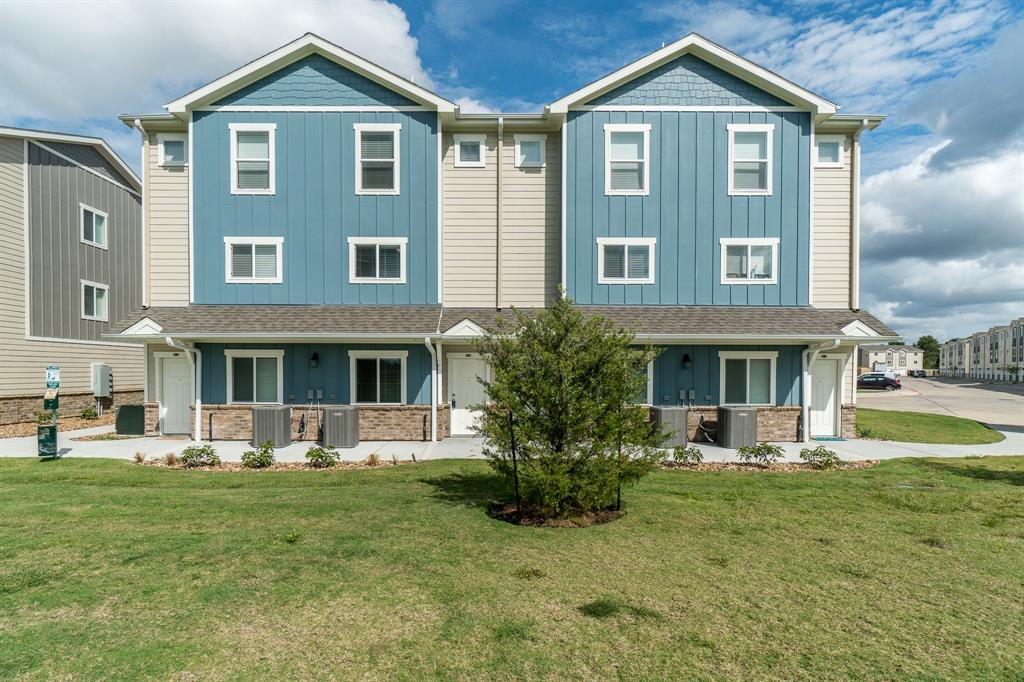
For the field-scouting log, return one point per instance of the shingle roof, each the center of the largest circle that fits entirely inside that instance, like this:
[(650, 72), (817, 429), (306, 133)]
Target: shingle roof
[(429, 320)]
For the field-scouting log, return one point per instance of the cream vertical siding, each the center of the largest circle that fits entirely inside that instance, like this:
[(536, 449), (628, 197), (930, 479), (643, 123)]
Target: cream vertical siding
[(166, 204), (23, 361), (832, 233), (470, 228)]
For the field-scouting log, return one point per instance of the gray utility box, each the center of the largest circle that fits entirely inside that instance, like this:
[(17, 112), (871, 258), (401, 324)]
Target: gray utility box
[(737, 425), (672, 420), (273, 424), (341, 427)]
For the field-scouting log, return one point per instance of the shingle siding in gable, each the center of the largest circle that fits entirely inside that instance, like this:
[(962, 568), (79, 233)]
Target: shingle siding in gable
[(315, 81), (688, 81)]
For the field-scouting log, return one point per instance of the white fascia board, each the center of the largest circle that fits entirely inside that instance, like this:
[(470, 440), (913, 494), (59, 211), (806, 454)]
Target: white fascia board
[(297, 49), (716, 55), (464, 329), (144, 327)]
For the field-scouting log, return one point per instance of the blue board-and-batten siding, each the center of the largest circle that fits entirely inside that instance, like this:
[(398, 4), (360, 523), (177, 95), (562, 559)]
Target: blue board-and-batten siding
[(331, 374), (315, 208), (688, 209), (704, 374)]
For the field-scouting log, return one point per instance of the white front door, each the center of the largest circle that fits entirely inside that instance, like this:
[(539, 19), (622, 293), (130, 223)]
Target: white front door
[(175, 388), (464, 391), (824, 392)]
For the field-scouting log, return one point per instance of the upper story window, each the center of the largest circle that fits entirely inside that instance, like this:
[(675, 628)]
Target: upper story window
[(172, 149), (252, 158), (530, 151), (626, 152), (94, 301), (93, 223), (747, 377), (828, 151), (377, 157), (377, 376), (750, 158), (254, 376), (253, 260), (377, 260), (470, 150), (625, 261), (749, 261)]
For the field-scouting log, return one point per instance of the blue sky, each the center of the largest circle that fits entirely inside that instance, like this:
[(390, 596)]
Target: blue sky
[(943, 218)]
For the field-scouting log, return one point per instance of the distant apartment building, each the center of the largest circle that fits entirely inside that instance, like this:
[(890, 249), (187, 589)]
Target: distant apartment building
[(994, 355), (899, 359)]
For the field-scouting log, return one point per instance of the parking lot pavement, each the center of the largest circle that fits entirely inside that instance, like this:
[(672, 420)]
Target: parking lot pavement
[(997, 405)]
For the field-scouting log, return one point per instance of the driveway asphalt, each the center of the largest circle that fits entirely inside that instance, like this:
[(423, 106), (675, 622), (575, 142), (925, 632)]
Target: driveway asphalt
[(1001, 406)]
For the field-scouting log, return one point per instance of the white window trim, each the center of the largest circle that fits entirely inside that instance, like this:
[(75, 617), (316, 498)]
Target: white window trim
[(353, 242), (649, 242), (841, 140), (171, 137), (768, 128), (520, 138), (82, 208), (81, 300), (396, 129), (481, 139), (231, 353), (610, 128), (276, 241), (354, 355), (235, 128), (751, 241), (724, 355)]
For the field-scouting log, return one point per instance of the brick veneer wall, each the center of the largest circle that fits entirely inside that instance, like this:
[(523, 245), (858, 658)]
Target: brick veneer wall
[(152, 416), (376, 422), (23, 408), (848, 428)]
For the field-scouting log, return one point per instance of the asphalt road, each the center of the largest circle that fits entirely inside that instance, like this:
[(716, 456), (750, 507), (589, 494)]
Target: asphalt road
[(994, 404)]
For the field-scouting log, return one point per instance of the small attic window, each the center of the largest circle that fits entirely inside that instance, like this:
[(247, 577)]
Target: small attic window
[(469, 151)]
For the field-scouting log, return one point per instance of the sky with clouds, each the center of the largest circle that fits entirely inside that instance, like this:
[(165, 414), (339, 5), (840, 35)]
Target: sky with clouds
[(943, 182)]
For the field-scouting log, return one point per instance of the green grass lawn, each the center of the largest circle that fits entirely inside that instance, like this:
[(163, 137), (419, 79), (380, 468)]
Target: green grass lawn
[(918, 427), (913, 569)]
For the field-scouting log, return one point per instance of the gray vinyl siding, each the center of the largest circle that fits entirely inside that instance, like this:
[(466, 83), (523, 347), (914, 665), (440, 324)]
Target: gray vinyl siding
[(59, 260)]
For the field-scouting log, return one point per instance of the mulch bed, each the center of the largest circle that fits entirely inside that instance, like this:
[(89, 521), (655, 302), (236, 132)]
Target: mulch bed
[(235, 467), (507, 513), (67, 423), (777, 467)]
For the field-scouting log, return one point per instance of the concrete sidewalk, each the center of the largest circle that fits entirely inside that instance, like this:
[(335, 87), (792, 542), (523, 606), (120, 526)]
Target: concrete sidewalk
[(471, 448)]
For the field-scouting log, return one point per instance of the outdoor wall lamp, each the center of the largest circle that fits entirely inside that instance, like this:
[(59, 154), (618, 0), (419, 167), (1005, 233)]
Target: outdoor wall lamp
[(687, 362), (314, 360)]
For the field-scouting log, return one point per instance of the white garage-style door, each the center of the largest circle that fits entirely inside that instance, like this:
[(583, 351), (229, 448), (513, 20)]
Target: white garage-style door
[(175, 389), (824, 397), (465, 391)]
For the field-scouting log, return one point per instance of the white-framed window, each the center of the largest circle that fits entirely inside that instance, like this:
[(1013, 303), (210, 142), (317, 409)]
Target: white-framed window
[(828, 151), (377, 377), (252, 157), (253, 260), (377, 260), (750, 260), (93, 226), (747, 377), (255, 376), (470, 150), (750, 158), (171, 149), (530, 151), (627, 148), (377, 157), (625, 260), (95, 301)]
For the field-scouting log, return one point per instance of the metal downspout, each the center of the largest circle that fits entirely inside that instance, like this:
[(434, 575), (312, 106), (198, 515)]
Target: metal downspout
[(195, 361), (433, 388), (145, 198), (497, 227), (855, 219), (807, 357)]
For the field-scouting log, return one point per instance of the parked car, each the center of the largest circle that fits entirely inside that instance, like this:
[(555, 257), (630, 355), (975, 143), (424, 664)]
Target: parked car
[(878, 381), (918, 373)]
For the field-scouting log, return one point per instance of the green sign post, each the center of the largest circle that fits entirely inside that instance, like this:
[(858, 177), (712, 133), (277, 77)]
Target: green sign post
[(46, 434)]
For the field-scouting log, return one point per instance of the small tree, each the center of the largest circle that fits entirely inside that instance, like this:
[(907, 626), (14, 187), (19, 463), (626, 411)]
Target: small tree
[(571, 384), (930, 345)]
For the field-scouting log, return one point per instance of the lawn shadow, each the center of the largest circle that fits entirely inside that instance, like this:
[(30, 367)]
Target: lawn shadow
[(606, 607), (975, 471), (476, 490)]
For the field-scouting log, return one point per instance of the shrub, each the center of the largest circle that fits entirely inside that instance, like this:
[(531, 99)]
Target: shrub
[(820, 457), (199, 456), (322, 457), (139, 458), (689, 455), (372, 460), (260, 458), (866, 432), (564, 385), (170, 459), (761, 454), (89, 413)]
